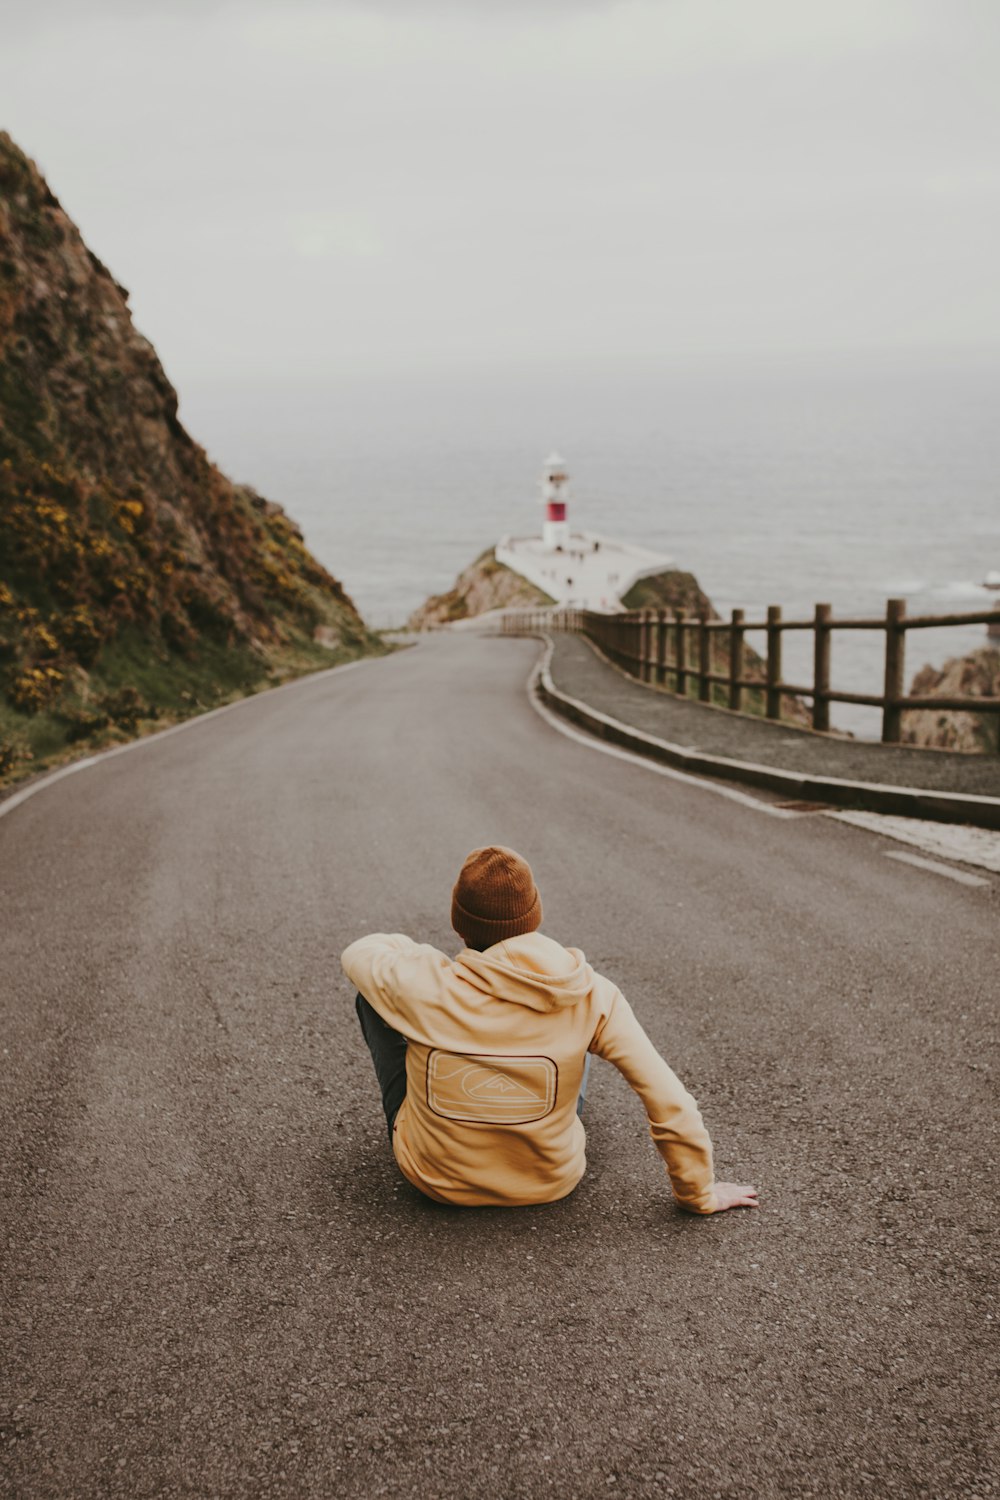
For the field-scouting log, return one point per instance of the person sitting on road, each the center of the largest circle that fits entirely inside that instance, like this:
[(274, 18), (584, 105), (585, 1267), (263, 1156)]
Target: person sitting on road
[(483, 1059)]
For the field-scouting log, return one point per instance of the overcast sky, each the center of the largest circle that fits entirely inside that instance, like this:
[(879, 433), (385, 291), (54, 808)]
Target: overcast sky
[(312, 189)]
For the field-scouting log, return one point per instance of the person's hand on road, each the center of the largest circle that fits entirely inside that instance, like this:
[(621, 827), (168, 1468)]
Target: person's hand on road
[(734, 1195)]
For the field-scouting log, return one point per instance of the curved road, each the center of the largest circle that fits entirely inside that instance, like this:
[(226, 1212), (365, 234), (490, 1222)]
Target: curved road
[(217, 1283)]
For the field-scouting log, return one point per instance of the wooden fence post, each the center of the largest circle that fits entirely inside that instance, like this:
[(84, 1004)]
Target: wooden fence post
[(895, 666), (704, 660), (821, 666), (647, 645), (680, 652), (773, 661), (736, 660), (660, 671)]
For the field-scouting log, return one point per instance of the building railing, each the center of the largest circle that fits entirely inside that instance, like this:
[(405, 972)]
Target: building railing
[(681, 652)]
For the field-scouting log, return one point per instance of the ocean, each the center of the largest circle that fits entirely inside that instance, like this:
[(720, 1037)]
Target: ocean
[(847, 481)]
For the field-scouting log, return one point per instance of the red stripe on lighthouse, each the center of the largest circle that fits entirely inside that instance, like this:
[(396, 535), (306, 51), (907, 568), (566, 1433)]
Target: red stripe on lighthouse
[(556, 510)]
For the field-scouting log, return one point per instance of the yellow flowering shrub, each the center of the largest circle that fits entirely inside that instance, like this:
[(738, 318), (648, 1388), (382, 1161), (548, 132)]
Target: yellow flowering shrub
[(34, 688)]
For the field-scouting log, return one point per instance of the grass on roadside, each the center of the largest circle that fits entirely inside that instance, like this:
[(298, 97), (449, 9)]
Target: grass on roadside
[(135, 689)]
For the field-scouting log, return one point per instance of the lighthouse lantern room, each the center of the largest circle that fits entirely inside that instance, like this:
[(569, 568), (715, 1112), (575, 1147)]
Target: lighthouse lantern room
[(555, 495)]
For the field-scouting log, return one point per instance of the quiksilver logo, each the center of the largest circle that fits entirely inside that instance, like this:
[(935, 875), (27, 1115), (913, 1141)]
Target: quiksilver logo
[(490, 1089)]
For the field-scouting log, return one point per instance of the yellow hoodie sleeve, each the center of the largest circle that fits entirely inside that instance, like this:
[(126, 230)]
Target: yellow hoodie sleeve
[(392, 971), (675, 1122)]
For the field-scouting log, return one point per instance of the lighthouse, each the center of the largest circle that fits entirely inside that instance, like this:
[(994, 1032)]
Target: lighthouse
[(555, 494), (576, 569)]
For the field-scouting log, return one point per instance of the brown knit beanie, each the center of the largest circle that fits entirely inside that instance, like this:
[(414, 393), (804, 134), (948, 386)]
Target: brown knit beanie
[(494, 897)]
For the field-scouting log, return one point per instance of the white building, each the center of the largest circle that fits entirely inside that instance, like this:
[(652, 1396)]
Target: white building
[(582, 569)]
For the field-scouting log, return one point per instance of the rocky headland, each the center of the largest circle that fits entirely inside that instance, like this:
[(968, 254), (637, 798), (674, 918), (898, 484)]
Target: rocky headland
[(487, 584), (483, 586), (137, 583), (672, 590), (975, 675)]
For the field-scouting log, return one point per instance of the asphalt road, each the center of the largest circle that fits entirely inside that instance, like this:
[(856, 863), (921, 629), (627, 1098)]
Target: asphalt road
[(217, 1283)]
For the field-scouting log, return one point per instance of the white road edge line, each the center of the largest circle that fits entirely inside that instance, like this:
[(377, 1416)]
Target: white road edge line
[(936, 869), (730, 793), (16, 798)]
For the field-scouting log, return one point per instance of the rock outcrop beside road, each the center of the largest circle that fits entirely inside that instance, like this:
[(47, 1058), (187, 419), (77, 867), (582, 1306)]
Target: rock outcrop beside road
[(136, 580), (484, 585), (673, 589), (975, 675)]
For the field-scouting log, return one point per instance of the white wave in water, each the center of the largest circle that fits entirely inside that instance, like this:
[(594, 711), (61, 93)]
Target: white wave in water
[(974, 591)]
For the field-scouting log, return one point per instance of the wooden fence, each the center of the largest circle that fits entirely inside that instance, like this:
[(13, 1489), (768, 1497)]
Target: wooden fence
[(682, 653)]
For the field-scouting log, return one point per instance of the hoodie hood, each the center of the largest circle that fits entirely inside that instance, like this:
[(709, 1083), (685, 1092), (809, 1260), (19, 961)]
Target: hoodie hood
[(530, 970)]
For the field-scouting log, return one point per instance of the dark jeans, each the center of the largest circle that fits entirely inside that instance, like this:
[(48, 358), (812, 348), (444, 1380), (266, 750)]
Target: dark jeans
[(388, 1050)]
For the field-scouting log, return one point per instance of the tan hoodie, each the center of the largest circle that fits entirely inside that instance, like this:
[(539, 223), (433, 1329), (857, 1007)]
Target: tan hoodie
[(497, 1045)]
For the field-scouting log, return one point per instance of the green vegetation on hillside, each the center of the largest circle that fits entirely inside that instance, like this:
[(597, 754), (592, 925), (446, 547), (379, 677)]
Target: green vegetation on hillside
[(106, 625), (137, 583)]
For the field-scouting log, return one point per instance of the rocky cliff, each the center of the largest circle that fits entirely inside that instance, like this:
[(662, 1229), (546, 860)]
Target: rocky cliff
[(671, 590), (484, 585), (953, 729), (136, 581)]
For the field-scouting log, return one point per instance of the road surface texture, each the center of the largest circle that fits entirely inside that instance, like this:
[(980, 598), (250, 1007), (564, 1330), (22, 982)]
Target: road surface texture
[(218, 1284), (578, 670)]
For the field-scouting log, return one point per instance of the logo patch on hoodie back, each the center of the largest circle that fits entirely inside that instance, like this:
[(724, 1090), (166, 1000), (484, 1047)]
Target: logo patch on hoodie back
[(491, 1090)]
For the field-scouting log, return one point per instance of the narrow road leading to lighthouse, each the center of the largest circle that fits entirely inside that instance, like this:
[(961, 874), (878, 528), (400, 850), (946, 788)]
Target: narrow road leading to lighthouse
[(217, 1282)]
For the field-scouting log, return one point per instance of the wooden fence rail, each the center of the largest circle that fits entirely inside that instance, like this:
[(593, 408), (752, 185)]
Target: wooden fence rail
[(673, 650)]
